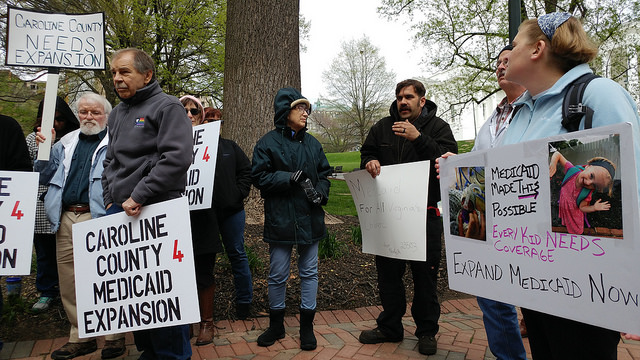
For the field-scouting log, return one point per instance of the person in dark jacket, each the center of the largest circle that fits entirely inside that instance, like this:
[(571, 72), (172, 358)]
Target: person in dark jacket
[(14, 154), (231, 187), (290, 170), (411, 133), (205, 236)]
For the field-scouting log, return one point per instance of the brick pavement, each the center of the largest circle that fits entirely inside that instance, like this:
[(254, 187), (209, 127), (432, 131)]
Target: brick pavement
[(461, 336)]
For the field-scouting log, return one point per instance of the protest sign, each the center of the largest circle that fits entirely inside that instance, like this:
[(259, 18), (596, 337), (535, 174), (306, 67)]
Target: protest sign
[(201, 174), (55, 40), (546, 244), (135, 273), (18, 195), (392, 210)]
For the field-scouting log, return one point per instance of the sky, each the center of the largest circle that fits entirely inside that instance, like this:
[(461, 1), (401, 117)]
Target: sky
[(337, 21)]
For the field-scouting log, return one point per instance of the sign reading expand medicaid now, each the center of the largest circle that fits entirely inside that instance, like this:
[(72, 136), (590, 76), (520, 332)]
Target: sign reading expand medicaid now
[(392, 209), (135, 273), (201, 174), (55, 40), (18, 193), (550, 225)]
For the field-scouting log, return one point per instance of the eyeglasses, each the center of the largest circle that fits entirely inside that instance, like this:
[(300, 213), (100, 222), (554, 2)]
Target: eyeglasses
[(303, 108), (505, 61), (93, 113), (193, 111)]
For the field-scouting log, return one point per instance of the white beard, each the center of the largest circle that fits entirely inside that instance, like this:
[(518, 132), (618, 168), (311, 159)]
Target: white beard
[(90, 127)]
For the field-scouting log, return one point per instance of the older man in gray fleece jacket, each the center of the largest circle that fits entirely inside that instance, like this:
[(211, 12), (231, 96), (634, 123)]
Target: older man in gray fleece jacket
[(149, 153)]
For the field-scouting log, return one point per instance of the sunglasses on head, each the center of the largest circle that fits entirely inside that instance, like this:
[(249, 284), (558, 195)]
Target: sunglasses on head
[(194, 111)]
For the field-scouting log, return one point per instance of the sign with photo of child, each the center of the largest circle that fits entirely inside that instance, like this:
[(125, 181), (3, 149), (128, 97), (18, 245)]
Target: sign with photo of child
[(549, 225)]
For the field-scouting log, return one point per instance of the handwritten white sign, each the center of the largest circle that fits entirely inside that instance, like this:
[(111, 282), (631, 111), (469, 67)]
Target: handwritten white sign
[(532, 255), (18, 195), (135, 273), (201, 174), (55, 40), (392, 209)]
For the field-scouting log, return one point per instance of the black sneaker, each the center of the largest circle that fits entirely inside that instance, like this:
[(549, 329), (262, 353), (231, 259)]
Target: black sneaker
[(427, 345), (376, 336), (113, 348), (71, 350)]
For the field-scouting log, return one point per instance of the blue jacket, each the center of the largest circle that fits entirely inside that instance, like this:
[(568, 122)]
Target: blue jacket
[(54, 172), (610, 102)]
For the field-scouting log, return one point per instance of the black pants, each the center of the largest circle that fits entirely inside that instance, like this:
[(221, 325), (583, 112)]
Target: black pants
[(556, 338), (205, 265), (425, 308)]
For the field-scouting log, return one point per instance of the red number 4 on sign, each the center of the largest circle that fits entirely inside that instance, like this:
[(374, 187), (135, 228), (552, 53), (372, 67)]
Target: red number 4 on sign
[(16, 212), (177, 254)]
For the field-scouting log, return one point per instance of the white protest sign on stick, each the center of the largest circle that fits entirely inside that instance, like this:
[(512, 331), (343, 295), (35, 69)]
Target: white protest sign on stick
[(539, 250), (18, 195), (135, 273), (201, 173), (392, 209), (53, 41)]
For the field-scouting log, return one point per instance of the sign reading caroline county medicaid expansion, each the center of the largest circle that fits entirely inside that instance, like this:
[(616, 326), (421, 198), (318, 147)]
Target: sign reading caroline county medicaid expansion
[(392, 209), (55, 40), (522, 230), (18, 194), (200, 177), (135, 273)]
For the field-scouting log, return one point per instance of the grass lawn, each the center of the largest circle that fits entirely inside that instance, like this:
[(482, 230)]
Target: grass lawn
[(348, 160), (340, 201)]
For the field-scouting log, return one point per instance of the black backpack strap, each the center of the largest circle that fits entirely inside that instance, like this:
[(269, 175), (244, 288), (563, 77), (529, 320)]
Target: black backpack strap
[(572, 107)]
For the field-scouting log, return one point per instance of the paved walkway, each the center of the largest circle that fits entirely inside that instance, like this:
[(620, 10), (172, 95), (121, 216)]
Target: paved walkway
[(461, 336)]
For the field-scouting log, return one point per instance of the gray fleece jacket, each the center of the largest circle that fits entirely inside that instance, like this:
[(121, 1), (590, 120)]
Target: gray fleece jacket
[(149, 149)]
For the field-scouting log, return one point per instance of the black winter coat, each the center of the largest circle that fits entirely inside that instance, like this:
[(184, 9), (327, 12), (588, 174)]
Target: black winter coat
[(435, 139), (289, 218)]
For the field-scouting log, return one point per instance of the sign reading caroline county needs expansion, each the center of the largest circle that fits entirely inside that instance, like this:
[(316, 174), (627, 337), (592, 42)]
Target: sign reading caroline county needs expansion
[(392, 209), (201, 173), (550, 225), (135, 273), (55, 40), (18, 194)]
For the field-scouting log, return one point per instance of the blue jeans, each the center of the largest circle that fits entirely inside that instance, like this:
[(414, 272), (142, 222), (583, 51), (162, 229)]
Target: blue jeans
[(232, 232), (46, 265), (503, 332), (167, 343), (280, 261)]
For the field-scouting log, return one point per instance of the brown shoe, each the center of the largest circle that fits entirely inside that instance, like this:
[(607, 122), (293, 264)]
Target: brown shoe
[(206, 333), (71, 350), (113, 348), (523, 329)]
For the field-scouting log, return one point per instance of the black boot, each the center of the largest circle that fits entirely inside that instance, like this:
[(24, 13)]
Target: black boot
[(275, 330), (307, 338)]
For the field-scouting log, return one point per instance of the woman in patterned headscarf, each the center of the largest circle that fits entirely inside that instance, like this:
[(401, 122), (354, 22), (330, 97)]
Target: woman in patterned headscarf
[(549, 54)]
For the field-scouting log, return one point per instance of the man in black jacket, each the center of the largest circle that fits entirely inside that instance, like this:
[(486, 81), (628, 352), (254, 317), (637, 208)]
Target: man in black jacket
[(411, 133)]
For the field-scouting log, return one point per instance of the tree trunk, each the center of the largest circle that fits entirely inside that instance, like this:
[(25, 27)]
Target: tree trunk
[(262, 55)]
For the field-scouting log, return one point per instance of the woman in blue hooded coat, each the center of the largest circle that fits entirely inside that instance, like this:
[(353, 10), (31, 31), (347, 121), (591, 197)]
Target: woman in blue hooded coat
[(290, 170)]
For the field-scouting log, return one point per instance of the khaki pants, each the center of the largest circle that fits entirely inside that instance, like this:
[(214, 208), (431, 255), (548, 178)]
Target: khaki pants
[(64, 252)]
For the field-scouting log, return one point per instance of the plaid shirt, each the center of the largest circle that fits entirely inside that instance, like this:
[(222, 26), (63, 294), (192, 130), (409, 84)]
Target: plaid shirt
[(42, 226)]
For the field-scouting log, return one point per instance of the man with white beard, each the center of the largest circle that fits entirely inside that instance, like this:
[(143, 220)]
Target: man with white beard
[(73, 175)]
